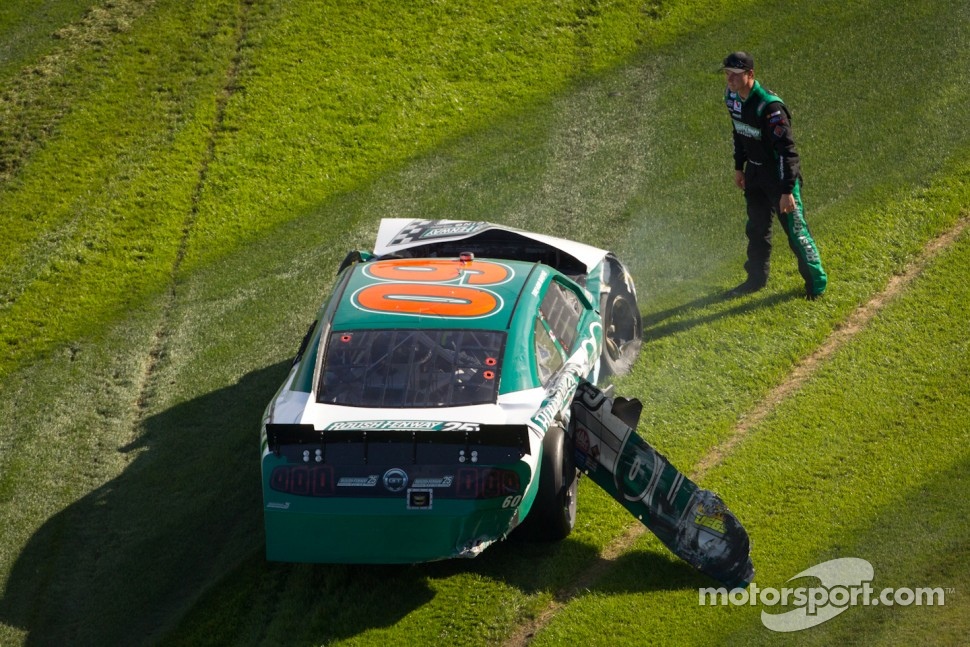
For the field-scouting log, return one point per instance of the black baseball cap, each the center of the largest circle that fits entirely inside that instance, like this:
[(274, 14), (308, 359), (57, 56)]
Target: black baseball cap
[(738, 62)]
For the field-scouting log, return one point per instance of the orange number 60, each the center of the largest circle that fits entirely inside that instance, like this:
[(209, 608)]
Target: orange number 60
[(435, 287)]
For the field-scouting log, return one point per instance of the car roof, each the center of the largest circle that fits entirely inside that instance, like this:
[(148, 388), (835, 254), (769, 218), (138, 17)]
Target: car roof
[(435, 293)]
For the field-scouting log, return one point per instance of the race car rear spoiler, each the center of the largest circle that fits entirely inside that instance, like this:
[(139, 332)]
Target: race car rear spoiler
[(488, 444)]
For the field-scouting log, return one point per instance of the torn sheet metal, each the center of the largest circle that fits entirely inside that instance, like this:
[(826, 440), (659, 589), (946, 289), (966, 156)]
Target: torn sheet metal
[(692, 522)]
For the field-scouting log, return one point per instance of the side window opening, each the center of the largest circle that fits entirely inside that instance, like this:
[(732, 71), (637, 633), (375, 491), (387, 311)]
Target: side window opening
[(549, 358), (562, 310)]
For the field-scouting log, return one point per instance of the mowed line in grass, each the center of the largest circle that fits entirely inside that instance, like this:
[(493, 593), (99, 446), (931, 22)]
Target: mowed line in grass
[(35, 99), (94, 215), (855, 324), (164, 330)]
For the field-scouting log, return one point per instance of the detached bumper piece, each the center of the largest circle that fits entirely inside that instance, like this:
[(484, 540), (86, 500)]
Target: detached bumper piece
[(692, 522)]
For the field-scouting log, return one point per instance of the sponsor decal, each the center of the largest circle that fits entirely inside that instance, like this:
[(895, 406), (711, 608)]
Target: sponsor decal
[(427, 229), (542, 279), (574, 370), (590, 451), (402, 425), (395, 480), (748, 131), (357, 481), (706, 516), (278, 506), (440, 482), (456, 229)]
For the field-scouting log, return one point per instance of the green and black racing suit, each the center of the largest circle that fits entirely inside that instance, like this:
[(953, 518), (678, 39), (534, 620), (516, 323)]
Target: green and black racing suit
[(765, 151)]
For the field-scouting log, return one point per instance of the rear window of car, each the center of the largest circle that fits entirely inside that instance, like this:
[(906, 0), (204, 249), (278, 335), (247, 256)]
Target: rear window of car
[(411, 368)]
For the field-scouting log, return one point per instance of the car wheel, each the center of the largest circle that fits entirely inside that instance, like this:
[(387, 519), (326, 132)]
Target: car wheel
[(622, 332), (553, 513)]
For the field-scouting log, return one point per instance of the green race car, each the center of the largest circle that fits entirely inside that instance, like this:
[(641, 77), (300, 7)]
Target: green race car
[(426, 415)]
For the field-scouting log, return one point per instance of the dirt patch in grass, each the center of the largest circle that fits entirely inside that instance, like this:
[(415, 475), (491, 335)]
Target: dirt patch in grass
[(35, 101)]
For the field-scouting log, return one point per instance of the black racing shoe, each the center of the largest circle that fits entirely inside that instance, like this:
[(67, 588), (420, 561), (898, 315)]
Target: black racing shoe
[(813, 296), (747, 287)]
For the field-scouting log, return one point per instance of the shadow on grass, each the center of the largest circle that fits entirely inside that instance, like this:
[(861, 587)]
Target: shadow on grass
[(582, 570), (171, 551), (123, 562), (644, 570), (654, 327)]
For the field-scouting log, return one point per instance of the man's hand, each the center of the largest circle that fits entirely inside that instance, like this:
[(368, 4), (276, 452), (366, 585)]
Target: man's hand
[(787, 203), (739, 179)]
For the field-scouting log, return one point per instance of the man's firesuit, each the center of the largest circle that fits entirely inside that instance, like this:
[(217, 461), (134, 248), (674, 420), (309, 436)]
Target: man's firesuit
[(765, 151)]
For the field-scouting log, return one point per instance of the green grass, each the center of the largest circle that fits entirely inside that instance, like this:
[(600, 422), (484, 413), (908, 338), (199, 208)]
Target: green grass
[(94, 210), (280, 133), (28, 28), (299, 102), (868, 460)]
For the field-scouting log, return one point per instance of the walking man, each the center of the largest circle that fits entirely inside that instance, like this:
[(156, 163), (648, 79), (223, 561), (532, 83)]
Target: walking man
[(766, 168)]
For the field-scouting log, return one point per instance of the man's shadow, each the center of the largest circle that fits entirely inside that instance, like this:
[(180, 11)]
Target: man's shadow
[(654, 326)]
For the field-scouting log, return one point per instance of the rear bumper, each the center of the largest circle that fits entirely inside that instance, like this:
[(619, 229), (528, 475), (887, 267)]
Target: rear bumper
[(391, 496), (373, 534)]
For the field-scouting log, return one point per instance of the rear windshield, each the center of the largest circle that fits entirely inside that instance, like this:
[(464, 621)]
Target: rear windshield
[(411, 368)]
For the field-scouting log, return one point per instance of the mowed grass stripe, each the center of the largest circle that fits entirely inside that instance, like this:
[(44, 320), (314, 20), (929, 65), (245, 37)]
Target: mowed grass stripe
[(41, 63), (164, 329), (94, 220)]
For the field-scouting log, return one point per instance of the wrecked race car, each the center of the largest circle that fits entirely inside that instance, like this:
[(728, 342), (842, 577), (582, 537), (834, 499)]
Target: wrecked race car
[(429, 411)]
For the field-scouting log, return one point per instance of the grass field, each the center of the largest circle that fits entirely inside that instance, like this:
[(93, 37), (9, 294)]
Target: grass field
[(178, 182)]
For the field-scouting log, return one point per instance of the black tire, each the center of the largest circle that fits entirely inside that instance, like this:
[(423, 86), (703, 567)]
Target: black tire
[(553, 513), (622, 332)]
